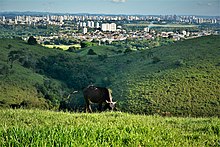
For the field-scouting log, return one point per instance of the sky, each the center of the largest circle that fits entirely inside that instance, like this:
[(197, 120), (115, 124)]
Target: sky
[(145, 7)]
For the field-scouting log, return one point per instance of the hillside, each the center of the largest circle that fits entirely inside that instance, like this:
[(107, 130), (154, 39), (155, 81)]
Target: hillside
[(46, 128), (182, 79)]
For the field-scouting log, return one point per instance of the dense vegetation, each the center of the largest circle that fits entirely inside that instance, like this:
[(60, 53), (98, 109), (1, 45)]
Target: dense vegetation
[(47, 128), (182, 79)]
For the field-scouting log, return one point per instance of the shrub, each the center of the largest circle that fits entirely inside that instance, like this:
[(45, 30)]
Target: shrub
[(9, 46), (156, 60), (4, 70), (179, 63), (102, 57), (32, 40), (91, 52), (128, 50)]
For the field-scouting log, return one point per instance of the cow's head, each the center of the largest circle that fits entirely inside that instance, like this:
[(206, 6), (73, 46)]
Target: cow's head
[(111, 105)]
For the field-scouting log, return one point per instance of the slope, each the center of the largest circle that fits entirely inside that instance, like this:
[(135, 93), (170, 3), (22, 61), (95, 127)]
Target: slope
[(21, 83), (181, 79)]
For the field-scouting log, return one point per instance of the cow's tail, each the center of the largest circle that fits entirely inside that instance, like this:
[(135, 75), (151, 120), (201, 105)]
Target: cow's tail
[(75, 91)]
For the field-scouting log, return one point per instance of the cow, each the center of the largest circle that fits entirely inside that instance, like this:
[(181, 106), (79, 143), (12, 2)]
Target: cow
[(100, 95)]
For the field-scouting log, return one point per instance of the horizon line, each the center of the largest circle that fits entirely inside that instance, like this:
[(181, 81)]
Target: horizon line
[(72, 13)]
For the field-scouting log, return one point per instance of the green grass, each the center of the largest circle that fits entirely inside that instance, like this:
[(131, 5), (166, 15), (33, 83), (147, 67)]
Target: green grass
[(63, 47), (46, 128), (100, 50), (185, 81)]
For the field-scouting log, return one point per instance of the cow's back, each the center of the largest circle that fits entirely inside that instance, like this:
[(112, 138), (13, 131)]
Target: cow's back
[(95, 94)]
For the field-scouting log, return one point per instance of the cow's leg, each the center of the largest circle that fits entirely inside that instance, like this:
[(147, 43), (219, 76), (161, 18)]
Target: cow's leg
[(100, 107), (88, 106), (106, 106)]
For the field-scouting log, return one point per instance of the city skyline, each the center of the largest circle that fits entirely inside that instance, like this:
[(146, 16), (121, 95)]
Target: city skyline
[(128, 7)]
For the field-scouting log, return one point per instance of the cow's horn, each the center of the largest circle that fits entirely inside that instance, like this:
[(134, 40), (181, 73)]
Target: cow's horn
[(107, 101)]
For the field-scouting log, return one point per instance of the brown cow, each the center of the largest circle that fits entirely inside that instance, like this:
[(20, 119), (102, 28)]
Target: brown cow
[(100, 95)]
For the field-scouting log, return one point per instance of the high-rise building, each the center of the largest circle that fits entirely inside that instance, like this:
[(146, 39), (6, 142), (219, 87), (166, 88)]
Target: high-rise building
[(105, 27), (85, 30), (97, 25), (3, 18), (147, 29), (109, 27), (89, 24), (92, 24), (84, 24), (113, 27)]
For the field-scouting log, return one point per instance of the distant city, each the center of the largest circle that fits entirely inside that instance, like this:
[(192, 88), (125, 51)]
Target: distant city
[(113, 27), (59, 19)]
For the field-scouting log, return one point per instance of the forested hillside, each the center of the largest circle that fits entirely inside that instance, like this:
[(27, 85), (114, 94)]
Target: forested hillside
[(181, 79)]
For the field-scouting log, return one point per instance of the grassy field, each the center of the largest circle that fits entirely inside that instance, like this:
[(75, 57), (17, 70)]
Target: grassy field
[(63, 47), (46, 128)]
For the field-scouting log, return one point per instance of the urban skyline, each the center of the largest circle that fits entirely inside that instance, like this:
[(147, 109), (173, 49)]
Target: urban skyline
[(128, 7)]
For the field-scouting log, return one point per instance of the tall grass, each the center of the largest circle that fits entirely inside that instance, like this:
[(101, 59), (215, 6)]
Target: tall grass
[(45, 128)]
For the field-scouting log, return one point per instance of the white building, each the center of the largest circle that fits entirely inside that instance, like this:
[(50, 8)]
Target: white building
[(113, 27), (84, 24), (109, 27), (85, 30), (147, 29), (91, 24), (97, 25)]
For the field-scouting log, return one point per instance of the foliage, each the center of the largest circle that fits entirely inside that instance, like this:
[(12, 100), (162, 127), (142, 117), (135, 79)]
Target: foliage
[(72, 49), (4, 69), (32, 40), (74, 74), (155, 59), (91, 52), (46, 128), (86, 44)]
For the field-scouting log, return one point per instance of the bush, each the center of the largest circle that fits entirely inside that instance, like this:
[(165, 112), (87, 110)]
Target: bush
[(155, 60), (179, 63), (4, 70), (91, 52), (32, 40), (84, 44), (72, 49), (128, 50), (102, 57)]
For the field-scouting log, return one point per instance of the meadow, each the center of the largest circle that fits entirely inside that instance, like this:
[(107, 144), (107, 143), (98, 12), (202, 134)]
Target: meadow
[(47, 128), (63, 47)]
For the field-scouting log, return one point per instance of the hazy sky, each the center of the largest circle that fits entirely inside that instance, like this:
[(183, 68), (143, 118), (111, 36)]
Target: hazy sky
[(184, 7)]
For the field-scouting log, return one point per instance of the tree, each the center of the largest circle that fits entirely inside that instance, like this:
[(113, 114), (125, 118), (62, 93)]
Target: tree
[(155, 59), (84, 44), (4, 70), (91, 52), (72, 49), (15, 55), (128, 50), (32, 40), (9, 46)]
